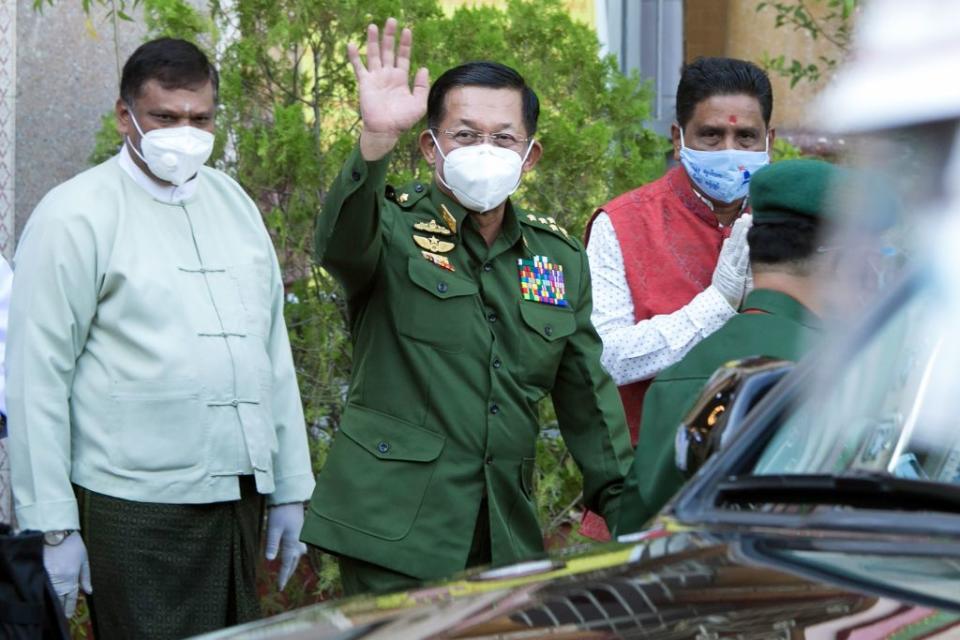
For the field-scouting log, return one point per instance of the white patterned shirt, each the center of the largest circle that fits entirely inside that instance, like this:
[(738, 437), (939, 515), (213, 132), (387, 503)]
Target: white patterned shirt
[(634, 351)]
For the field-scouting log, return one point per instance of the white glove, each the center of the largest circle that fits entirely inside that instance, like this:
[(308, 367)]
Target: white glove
[(69, 570), (284, 523), (733, 266)]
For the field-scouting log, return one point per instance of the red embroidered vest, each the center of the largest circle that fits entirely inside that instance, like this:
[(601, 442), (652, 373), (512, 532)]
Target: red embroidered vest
[(670, 241)]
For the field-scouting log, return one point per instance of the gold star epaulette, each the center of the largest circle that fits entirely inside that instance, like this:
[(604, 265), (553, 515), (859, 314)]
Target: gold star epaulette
[(550, 224), (406, 196)]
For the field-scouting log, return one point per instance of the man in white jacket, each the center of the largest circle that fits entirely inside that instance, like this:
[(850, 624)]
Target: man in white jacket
[(153, 401)]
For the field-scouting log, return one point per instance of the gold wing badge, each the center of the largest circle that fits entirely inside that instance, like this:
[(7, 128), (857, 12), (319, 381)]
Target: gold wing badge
[(432, 228), (433, 244)]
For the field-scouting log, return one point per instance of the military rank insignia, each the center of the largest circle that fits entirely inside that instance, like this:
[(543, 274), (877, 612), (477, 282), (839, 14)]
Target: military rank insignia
[(441, 261), (448, 218), (542, 281)]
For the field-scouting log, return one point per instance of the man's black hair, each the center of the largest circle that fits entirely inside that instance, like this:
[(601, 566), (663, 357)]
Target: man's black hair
[(787, 244), (482, 74), (174, 63), (707, 77)]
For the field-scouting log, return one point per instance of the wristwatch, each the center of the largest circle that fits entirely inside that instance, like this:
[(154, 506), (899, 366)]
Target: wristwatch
[(54, 538)]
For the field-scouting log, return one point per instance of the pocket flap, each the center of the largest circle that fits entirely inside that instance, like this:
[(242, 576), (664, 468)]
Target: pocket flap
[(440, 282), (389, 438), (552, 323)]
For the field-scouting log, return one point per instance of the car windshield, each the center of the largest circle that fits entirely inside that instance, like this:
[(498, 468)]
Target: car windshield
[(890, 411), (883, 399)]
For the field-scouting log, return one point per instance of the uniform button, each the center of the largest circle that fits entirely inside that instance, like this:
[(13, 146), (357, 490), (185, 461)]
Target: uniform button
[(494, 409), (492, 316), (418, 188), (488, 460), (442, 287), (487, 266), (356, 175), (548, 330), (383, 447), (496, 363)]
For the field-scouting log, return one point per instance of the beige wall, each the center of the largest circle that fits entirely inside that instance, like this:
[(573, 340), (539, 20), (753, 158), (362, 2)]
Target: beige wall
[(734, 28)]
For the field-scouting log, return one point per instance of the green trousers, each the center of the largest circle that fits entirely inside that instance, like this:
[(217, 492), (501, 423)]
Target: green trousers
[(358, 576), (164, 571)]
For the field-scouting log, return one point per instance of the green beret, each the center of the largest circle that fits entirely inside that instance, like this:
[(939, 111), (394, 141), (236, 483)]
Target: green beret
[(791, 189)]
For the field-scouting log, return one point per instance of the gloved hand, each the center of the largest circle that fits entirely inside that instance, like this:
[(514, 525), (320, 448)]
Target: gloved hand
[(733, 266), (284, 523), (69, 570)]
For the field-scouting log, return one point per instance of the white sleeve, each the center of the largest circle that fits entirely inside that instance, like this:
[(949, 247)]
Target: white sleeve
[(635, 351), (6, 286)]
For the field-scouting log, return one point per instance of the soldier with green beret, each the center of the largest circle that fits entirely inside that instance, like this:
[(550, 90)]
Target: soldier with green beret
[(779, 319), (465, 312)]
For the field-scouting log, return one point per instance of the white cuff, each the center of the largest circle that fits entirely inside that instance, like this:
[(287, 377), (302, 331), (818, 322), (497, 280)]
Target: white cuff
[(709, 310)]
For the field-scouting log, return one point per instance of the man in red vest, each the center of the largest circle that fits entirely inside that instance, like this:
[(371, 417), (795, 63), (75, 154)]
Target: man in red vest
[(669, 260)]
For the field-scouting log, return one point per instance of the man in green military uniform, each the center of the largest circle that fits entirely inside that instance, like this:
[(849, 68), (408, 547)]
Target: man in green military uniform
[(465, 312), (779, 318)]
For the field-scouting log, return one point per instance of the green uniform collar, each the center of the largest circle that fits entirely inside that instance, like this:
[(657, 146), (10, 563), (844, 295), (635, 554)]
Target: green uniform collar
[(780, 304)]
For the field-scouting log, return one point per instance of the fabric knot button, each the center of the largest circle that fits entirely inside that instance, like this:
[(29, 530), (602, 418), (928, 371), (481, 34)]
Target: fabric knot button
[(383, 447), (494, 409), (496, 363), (548, 330), (487, 266), (442, 287), (492, 317), (418, 188), (356, 175)]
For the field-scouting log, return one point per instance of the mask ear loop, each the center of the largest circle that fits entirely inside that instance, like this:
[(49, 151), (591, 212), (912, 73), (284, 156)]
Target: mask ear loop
[(436, 143), (139, 130), (522, 160)]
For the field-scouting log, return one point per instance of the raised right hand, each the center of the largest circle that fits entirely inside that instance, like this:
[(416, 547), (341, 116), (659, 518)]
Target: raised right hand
[(69, 570), (733, 267), (387, 104)]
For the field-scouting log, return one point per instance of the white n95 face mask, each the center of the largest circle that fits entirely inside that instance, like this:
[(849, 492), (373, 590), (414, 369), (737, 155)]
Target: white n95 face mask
[(481, 176), (174, 154), (723, 175)]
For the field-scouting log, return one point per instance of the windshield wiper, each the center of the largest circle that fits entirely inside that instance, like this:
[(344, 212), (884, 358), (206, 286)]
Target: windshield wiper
[(863, 490)]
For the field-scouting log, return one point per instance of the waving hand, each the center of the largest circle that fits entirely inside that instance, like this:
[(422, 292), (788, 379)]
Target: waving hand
[(388, 105)]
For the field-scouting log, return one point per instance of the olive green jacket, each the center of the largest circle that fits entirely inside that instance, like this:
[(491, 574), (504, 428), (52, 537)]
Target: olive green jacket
[(771, 324), (449, 363)]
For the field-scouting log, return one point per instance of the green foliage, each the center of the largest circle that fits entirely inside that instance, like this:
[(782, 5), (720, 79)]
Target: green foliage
[(783, 150), (833, 26), (288, 118), (107, 140)]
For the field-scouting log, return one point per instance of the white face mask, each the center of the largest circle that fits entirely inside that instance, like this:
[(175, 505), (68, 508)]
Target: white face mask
[(481, 176), (723, 175), (174, 154)]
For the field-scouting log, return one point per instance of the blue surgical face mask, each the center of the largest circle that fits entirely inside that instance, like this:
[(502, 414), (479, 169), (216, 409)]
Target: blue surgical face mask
[(723, 175)]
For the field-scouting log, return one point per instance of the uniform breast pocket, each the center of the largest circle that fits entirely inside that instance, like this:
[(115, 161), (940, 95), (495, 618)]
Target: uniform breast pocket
[(547, 328), (437, 306)]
